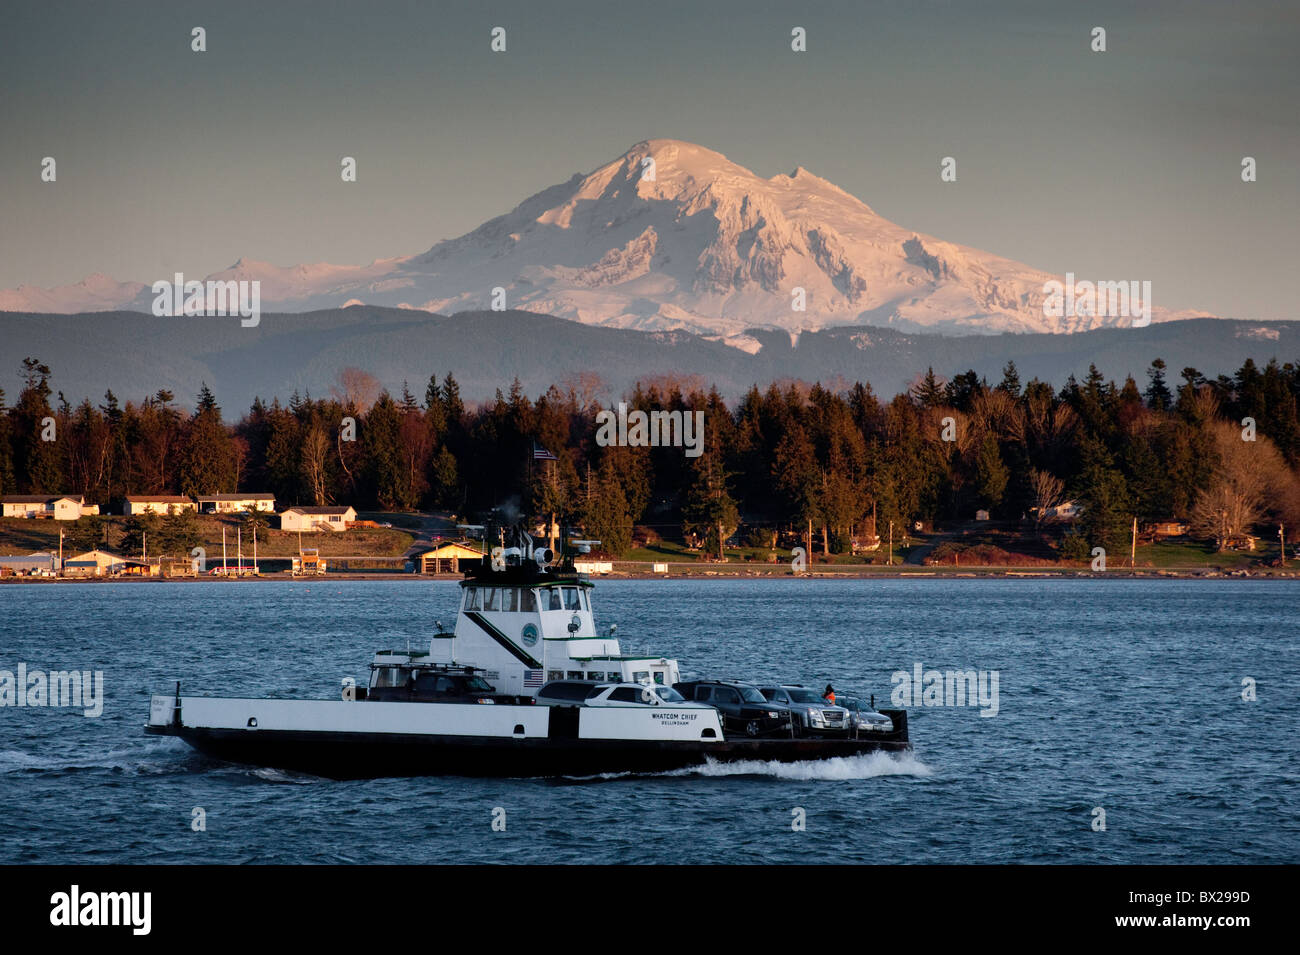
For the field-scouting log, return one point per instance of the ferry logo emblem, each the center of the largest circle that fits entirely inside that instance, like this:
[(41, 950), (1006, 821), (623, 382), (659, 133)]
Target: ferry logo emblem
[(529, 635)]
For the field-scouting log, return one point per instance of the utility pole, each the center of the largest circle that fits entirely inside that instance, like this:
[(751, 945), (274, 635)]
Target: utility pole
[(1281, 543), (1133, 552), (891, 543)]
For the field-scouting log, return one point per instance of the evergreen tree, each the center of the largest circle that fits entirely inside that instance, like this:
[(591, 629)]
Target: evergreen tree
[(1158, 396), (991, 475), (605, 514), (207, 458), (929, 392), (385, 472), (1105, 499), (1010, 383), (709, 512), (38, 459)]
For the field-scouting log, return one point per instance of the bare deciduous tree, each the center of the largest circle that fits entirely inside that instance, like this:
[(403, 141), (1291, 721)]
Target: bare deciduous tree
[(315, 449), (356, 387), (1048, 491), (1245, 478)]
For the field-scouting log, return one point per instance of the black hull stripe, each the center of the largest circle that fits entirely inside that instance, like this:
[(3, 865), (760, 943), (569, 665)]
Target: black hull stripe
[(338, 755)]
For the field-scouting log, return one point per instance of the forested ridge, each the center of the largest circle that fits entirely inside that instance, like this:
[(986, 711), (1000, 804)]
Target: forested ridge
[(1219, 453)]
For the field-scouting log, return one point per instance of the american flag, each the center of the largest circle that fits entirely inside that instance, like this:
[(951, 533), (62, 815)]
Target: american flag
[(533, 678), (541, 454)]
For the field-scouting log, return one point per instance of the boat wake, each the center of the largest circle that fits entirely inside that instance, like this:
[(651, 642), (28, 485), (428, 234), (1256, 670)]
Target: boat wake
[(864, 766), (146, 758)]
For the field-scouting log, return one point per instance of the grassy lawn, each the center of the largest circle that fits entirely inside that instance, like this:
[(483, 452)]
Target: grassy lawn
[(411, 522), (666, 550), (357, 542), (1170, 554), (20, 536)]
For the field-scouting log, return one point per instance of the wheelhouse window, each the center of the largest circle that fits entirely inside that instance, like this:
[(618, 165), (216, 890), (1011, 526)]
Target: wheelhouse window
[(490, 598), (510, 599), (571, 599), (472, 600), (390, 676), (553, 599), (528, 601)]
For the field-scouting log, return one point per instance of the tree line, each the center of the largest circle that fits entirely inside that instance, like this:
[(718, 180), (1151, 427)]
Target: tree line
[(829, 464)]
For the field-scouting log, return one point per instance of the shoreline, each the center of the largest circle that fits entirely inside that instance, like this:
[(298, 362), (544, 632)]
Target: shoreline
[(766, 572)]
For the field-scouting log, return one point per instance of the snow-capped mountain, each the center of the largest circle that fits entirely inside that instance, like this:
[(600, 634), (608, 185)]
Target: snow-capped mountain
[(669, 235)]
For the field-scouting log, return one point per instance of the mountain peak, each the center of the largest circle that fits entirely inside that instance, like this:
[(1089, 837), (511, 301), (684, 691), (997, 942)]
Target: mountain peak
[(669, 235)]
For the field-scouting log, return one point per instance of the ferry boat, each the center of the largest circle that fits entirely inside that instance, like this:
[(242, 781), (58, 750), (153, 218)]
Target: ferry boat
[(523, 685)]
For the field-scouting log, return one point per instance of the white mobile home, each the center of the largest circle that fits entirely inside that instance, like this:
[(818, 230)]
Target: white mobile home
[(311, 519), (235, 503), (156, 504), (60, 507)]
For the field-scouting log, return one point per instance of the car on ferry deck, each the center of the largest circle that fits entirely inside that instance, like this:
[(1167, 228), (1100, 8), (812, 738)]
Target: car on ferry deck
[(430, 684), (589, 693), (643, 694), (565, 692), (743, 708), (813, 715), (864, 717)]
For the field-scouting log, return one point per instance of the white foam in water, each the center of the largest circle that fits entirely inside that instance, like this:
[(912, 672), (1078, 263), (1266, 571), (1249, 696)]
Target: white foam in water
[(138, 756), (865, 766)]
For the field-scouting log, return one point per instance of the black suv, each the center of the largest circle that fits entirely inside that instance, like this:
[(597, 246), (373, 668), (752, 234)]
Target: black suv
[(742, 707), (437, 685)]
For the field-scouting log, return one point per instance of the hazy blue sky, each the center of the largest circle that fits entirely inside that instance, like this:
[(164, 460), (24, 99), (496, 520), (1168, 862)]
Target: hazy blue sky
[(1119, 165)]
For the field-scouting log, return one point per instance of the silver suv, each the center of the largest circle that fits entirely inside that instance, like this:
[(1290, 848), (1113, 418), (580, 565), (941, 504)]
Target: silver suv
[(811, 712)]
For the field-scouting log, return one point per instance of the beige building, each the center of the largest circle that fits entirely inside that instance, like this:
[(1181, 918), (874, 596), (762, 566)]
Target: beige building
[(156, 504), (60, 507), (312, 519), (235, 503), (94, 563), (448, 558)]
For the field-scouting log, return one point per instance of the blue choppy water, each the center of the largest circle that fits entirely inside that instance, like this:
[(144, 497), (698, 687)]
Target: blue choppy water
[(1118, 694)]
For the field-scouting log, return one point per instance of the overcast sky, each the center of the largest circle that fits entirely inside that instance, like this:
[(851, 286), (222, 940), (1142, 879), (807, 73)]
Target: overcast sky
[(1124, 164)]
